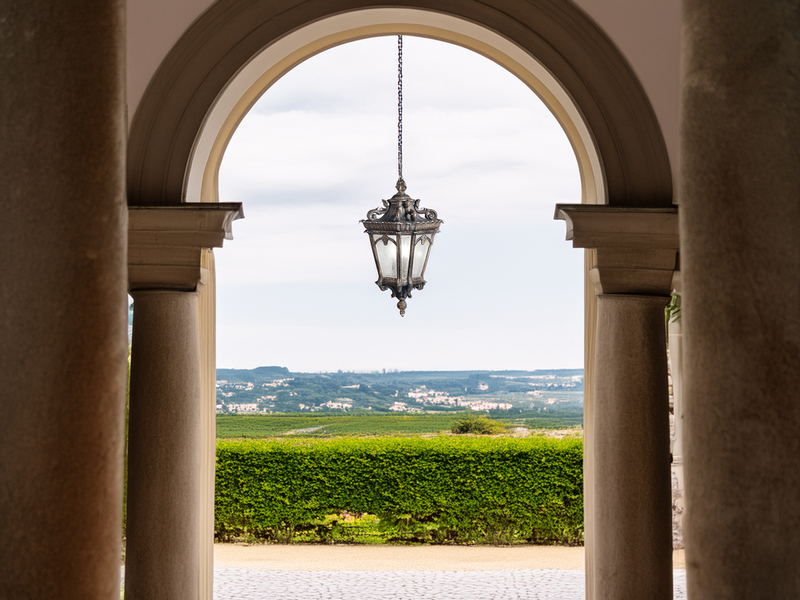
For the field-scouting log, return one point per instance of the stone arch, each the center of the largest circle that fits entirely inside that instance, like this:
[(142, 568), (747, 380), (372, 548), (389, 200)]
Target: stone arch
[(236, 50)]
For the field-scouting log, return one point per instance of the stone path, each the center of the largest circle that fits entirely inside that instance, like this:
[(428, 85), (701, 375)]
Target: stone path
[(353, 572), (544, 584)]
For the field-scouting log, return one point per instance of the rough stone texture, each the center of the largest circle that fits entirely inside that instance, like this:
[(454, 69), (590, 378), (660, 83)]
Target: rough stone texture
[(740, 226), (62, 297), (633, 550), (163, 528)]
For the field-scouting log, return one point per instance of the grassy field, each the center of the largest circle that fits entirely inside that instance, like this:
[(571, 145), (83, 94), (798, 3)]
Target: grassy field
[(369, 424)]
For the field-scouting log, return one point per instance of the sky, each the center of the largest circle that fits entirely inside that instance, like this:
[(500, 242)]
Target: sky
[(296, 285)]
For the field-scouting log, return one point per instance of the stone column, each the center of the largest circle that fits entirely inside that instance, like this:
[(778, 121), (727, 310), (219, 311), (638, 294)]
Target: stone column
[(626, 443), (589, 343), (676, 365), (63, 344), (170, 442), (164, 448), (208, 421), (740, 232), (632, 500)]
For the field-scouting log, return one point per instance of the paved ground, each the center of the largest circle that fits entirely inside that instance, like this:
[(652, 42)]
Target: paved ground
[(403, 573), (549, 584)]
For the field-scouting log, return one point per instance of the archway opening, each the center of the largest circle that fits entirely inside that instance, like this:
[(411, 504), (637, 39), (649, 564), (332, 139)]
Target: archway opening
[(296, 288), (319, 150)]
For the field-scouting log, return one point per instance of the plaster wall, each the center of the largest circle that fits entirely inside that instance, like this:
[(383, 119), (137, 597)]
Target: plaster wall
[(647, 33), (153, 27)]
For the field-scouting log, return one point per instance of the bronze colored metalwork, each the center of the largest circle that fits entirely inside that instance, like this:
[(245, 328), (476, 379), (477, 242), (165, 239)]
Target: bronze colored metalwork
[(401, 233)]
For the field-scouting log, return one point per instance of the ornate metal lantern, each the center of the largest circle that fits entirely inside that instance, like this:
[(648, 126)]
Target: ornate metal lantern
[(401, 233)]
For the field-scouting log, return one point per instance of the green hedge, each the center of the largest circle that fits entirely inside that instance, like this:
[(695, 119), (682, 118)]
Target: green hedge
[(434, 490)]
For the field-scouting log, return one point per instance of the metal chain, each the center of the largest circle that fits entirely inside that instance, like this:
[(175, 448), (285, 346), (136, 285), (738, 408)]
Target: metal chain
[(400, 182)]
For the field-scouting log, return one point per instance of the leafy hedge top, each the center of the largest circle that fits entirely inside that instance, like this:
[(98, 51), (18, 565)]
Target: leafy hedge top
[(481, 425), (529, 488)]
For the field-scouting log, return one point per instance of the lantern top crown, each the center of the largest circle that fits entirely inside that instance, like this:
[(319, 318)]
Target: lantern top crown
[(401, 213)]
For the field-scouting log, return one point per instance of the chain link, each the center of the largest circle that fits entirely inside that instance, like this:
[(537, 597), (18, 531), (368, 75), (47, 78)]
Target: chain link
[(400, 112)]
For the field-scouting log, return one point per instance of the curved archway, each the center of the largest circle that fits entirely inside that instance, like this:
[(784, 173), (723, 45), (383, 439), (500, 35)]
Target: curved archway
[(233, 52), (271, 63), (237, 49)]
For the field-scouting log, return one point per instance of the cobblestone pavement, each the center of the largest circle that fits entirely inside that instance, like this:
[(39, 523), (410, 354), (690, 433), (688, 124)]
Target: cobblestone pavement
[(549, 584)]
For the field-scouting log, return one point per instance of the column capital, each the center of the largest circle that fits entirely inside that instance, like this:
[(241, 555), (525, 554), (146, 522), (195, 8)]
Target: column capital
[(634, 250), (165, 243)]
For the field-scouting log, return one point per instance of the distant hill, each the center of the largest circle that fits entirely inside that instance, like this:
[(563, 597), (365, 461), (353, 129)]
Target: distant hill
[(257, 375), (276, 389)]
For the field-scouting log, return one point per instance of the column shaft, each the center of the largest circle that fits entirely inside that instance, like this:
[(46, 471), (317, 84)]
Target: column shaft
[(589, 344), (164, 449), (63, 345), (208, 420), (632, 507), (740, 226)]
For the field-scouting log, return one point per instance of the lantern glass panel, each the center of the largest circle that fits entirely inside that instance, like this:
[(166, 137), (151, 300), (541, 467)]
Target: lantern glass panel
[(421, 250), (405, 256), (386, 251)]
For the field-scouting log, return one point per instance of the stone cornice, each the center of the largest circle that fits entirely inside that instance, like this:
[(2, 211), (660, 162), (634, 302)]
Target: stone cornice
[(165, 243), (635, 250)]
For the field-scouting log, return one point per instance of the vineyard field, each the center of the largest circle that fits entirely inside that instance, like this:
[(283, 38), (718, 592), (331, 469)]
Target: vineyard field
[(371, 424)]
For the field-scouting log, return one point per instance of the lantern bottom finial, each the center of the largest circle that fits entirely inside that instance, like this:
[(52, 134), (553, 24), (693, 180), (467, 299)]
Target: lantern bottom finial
[(402, 306)]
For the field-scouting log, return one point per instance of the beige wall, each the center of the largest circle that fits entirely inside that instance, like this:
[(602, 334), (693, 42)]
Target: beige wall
[(647, 33), (153, 27)]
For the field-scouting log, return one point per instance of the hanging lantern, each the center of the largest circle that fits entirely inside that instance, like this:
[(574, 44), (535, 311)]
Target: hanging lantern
[(400, 232), (401, 235)]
